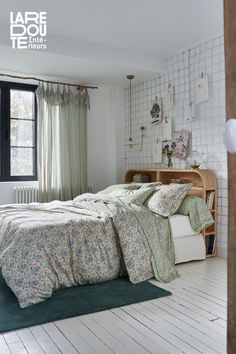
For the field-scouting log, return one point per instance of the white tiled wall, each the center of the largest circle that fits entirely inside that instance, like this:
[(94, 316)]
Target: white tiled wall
[(207, 128)]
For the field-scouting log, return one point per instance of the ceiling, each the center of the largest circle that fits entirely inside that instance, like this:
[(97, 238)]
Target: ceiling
[(103, 40), (77, 70)]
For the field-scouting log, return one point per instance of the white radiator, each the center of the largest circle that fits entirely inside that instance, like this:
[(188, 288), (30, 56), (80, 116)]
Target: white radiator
[(26, 194)]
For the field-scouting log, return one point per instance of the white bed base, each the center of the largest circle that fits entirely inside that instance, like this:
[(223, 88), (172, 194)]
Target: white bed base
[(189, 248)]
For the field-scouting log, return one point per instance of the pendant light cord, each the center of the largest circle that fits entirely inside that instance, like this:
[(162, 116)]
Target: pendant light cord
[(130, 125), (189, 80), (130, 77)]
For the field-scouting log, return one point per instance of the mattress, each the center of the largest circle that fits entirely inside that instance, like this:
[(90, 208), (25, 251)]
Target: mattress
[(189, 245)]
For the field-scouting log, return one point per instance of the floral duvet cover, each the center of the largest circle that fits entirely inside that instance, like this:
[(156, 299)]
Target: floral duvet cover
[(46, 247)]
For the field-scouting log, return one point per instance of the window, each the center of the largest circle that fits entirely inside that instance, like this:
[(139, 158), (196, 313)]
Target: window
[(18, 132)]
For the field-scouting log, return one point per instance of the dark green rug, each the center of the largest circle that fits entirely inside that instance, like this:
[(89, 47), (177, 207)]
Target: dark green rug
[(73, 302)]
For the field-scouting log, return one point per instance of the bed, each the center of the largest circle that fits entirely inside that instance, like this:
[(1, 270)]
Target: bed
[(204, 185), (91, 239)]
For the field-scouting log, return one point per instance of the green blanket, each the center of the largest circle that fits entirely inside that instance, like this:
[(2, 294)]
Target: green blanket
[(198, 212), (154, 229)]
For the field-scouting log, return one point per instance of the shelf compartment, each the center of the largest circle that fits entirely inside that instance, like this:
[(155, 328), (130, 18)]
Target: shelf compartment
[(210, 242), (210, 229)]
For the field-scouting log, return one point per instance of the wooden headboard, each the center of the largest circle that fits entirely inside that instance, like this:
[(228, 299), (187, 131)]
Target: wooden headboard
[(204, 182)]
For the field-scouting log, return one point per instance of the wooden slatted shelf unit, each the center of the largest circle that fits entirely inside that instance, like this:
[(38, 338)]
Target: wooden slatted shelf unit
[(204, 182)]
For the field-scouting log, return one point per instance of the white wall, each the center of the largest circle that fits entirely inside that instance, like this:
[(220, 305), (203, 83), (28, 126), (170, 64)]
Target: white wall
[(105, 137), (207, 128), (7, 190)]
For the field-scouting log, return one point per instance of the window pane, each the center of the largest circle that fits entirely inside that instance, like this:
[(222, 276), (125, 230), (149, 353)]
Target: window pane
[(21, 104), (21, 161), (1, 155), (22, 132)]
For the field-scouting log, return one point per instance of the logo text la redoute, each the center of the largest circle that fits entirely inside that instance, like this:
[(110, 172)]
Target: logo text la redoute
[(28, 30)]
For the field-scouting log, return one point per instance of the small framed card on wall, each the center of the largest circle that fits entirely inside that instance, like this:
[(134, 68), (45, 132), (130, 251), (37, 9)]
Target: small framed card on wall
[(167, 128), (156, 111), (202, 89)]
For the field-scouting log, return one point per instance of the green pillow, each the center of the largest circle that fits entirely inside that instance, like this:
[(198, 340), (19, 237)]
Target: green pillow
[(132, 196), (148, 185)]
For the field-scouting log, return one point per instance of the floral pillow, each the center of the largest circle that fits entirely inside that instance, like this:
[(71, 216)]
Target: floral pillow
[(167, 200)]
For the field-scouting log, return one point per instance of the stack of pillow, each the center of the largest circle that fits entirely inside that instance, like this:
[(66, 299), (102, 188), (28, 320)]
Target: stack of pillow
[(163, 200)]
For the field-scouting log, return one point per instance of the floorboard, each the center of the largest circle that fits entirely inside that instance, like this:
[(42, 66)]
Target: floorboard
[(192, 320)]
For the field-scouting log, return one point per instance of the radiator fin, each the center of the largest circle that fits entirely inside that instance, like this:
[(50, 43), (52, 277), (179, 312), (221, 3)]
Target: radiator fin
[(26, 194)]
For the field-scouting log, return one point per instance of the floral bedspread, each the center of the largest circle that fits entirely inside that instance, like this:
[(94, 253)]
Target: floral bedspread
[(45, 247)]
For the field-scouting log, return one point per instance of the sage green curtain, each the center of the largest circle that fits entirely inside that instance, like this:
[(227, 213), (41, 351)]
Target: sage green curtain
[(62, 143)]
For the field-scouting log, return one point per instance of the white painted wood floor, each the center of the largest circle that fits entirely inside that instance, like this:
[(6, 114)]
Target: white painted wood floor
[(192, 320)]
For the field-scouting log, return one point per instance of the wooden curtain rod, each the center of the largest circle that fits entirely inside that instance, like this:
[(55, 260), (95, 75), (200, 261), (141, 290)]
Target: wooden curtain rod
[(79, 87)]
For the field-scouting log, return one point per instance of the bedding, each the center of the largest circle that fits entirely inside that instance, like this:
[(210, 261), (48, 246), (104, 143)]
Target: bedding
[(198, 212), (95, 238), (130, 196), (147, 185), (167, 200), (92, 239), (114, 187)]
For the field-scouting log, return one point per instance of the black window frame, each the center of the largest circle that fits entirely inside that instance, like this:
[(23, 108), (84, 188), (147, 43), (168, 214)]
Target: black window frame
[(5, 173)]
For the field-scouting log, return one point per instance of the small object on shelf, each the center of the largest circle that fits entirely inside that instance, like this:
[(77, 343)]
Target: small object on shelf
[(210, 199), (180, 180), (175, 180), (194, 159), (141, 178), (195, 164), (183, 181)]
